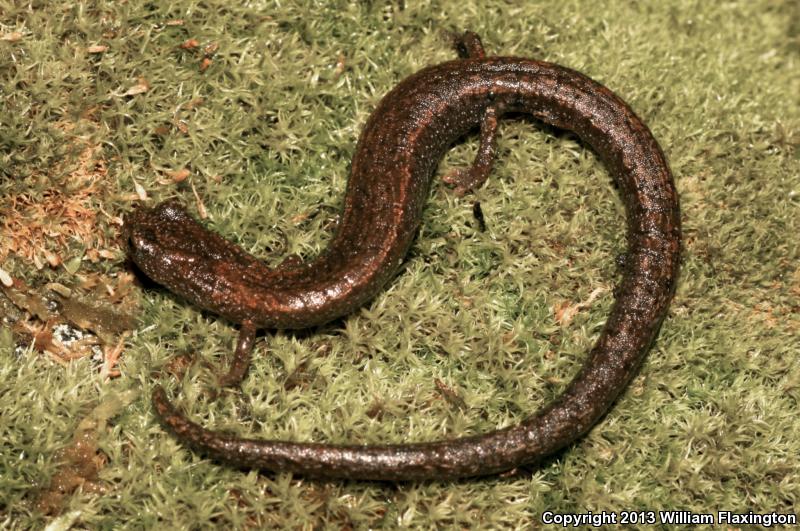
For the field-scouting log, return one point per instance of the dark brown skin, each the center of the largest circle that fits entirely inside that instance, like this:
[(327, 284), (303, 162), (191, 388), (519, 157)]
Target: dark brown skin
[(392, 170)]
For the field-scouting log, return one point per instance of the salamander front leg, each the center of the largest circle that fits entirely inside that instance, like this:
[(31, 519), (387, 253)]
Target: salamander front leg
[(241, 357)]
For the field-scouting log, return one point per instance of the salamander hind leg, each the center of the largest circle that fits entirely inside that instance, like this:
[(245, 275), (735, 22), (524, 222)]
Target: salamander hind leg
[(468, 45), (241, 357), (468, 179)]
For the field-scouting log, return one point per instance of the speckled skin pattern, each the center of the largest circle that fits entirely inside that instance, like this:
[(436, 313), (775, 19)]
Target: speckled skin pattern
[(392, 170)]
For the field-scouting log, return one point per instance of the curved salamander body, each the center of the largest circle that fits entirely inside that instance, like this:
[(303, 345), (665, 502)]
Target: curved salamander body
[(392, 170)]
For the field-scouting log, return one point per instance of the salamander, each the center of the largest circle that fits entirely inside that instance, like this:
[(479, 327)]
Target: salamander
[(391, 175)]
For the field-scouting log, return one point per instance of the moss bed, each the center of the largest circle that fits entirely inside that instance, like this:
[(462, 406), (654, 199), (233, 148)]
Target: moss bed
[(250, 115)]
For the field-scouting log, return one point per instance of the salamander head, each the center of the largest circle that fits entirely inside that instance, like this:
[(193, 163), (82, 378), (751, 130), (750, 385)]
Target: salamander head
[(159, 239), (173, 249), (176, 251)]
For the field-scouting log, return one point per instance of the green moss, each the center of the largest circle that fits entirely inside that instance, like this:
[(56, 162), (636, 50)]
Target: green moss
[(710, 423)]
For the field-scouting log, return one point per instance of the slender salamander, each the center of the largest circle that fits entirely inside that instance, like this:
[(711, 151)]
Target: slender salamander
[(392, 169)]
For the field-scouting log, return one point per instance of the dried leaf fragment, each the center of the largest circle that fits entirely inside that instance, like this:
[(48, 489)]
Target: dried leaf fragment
[(196, 102), (140, 87), (104, 321), (12, 36), (565, 312), (451, 396), (341, 64), (182, 126), (111, 357), (178, 176), (53, 259), (5, 278), (140, 191)]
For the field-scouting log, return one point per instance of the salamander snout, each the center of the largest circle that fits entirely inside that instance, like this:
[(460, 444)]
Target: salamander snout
[(158, 238), (138, 231), (138, 241)]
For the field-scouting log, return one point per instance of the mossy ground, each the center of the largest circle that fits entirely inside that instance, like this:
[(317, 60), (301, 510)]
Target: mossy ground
[(260, 107)]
